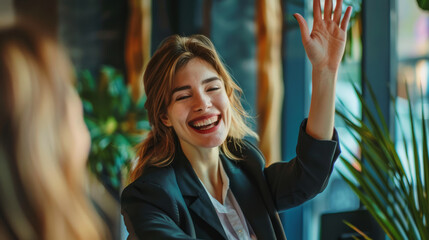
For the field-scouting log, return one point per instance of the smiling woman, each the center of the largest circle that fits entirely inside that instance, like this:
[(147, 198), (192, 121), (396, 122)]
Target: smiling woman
[(196, 177)]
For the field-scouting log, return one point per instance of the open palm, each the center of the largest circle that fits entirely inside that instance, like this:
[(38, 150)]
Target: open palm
[(325, 45)]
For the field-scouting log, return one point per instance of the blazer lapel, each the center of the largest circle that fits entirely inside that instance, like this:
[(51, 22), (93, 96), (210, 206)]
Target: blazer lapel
[(194, 194), (249, 199)]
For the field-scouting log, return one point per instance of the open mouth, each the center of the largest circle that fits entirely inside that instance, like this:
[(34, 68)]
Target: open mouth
[(205, 124)]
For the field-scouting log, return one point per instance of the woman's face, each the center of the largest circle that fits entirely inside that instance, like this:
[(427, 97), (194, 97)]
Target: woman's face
[(199, 110)]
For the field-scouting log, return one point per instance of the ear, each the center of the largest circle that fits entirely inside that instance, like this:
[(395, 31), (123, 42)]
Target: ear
[(165, 120)]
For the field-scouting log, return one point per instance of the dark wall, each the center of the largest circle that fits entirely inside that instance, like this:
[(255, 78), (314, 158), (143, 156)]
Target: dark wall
[(183, 17), (94, 32)]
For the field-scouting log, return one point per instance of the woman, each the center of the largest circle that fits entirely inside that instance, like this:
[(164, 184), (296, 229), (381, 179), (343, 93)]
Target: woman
[(43, 143), (196, 178)]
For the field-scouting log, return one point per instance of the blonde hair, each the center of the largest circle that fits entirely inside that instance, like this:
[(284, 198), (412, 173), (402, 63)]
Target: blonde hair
[(174, 53), (42, 192)]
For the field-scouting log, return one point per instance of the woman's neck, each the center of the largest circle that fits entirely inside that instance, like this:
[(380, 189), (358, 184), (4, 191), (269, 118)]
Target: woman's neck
[(205, 162)]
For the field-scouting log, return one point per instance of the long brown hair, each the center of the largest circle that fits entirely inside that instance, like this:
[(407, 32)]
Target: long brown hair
[(42, 192), (174, 53)]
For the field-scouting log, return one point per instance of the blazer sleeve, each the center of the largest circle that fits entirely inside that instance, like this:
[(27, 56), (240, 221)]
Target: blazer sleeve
[(150, 212), (291, 183), (294, 182)]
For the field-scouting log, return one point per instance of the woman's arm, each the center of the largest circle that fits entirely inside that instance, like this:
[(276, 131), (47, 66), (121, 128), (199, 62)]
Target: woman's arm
[(324, 47), (294, 182)]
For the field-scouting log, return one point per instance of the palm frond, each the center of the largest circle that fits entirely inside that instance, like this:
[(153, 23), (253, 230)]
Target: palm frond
[(357, 230), (394, 190)]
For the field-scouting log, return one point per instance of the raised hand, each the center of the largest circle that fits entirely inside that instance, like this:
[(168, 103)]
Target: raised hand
[(325, 45), (325, 48)]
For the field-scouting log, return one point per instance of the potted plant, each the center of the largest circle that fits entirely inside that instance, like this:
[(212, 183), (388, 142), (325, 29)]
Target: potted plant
[(115, 121), (394, 189)]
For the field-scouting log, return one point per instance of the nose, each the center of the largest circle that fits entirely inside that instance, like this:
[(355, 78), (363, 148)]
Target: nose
[(202, 102)]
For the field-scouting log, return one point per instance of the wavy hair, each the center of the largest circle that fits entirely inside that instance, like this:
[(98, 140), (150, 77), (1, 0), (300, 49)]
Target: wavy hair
[(174, 53), (42, 192)]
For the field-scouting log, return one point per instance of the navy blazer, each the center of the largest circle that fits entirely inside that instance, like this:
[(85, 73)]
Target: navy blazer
[(171, 203)]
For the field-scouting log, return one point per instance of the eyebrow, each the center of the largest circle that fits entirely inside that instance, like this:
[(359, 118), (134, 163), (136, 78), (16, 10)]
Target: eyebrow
[(205, 81)]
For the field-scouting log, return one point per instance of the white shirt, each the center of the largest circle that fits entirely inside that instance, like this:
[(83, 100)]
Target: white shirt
[(230, 215)]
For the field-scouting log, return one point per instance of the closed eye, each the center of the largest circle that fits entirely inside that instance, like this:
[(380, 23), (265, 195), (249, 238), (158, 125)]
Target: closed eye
[(182, 97), (213, 89)]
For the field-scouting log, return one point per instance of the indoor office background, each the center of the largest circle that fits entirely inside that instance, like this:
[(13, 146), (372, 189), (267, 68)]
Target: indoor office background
[(388, 44)]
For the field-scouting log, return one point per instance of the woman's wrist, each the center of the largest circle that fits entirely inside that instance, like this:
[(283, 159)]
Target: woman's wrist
[(324, 79), (325, 70)]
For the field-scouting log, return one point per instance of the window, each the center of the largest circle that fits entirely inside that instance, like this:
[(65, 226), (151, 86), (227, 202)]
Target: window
[(413, 69)]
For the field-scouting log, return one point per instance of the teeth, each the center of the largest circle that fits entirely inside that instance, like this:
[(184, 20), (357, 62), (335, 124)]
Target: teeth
[(205, 122)]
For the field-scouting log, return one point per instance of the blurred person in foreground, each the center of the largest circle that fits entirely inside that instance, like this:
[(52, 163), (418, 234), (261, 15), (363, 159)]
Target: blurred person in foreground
[(44, 143)]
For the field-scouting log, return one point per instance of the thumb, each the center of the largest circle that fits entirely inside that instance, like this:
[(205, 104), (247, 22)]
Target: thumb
[(303, 27)]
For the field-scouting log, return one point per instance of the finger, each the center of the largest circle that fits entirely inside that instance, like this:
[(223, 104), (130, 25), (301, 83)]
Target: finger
[(346, 18), (317, 11), (328, 9), (305, 35), (338, 11)]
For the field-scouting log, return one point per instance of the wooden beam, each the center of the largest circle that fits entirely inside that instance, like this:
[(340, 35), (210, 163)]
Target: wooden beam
[(138, 41), (270, 80)]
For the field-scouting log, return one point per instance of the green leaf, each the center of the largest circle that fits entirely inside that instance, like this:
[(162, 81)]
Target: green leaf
[(417, 168), (425, 167), (423, 4), (377, 106)]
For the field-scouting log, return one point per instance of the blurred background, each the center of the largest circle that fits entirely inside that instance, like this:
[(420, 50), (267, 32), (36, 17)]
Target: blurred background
[(109, 43)]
